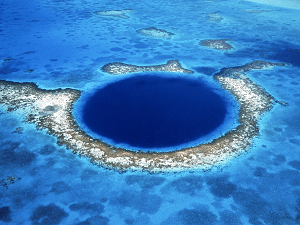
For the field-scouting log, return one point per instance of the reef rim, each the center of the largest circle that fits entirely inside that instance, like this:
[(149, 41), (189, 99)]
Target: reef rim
[(52, 110)]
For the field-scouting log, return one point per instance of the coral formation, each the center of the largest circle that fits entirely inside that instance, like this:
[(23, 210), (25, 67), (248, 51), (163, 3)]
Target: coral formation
[(118, 68), (214, 17), (52, 110), (155, 32), (8, 181), (219, 44), (115, 13)]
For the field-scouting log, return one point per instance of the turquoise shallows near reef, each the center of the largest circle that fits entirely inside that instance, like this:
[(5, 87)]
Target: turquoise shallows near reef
[(52, 110), (154, 111)]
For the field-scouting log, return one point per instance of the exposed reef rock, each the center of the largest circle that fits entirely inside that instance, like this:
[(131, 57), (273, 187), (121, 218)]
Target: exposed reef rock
[(115, 13), (18, 130), (118, 68), (8, 65), (8, 181), (219, 44), (31, 102), (154, 32)]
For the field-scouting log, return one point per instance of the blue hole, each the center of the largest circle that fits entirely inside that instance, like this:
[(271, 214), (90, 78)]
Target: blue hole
[(154, 112)]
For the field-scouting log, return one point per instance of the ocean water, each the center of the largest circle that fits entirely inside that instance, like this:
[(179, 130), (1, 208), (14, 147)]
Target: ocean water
[(64, 44)]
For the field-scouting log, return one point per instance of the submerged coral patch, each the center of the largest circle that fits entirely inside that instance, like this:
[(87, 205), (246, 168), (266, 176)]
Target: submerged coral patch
[(155, 32), (115, 13), (29, 101), (49, 214), (214, 17), (5, 214), (8, 181), (219, 44)]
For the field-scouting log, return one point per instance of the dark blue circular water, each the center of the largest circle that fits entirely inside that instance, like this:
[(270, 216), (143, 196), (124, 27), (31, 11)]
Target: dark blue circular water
[(154, 112)]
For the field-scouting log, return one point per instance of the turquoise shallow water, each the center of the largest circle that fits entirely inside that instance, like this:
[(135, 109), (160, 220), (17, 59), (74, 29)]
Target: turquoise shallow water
[(58, 44)]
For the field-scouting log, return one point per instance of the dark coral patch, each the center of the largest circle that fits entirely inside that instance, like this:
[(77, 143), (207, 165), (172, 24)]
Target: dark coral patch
[(295, 164), (141, 201), (145, 181), (278, 159), (87, 207), (48, 215), (95, 220), (188, 185), (60, 187), (88, 174), (250, 202), (229, 217), (221, 187), (5, 214), (47, 150), (291, 176), (12, 154), (9, 180), (199, 215), (260, 171)]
